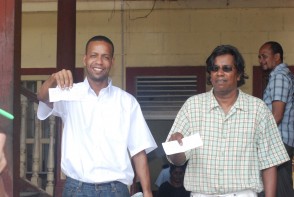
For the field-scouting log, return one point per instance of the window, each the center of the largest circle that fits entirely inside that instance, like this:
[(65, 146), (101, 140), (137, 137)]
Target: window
[(161, 91)]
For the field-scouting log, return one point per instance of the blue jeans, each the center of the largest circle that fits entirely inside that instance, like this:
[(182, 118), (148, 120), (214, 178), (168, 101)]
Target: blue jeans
[(75, 188)]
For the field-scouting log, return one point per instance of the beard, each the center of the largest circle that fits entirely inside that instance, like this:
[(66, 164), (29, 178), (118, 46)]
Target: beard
[(97, 78)]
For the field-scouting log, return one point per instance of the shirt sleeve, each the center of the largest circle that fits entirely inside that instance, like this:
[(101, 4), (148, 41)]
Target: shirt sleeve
[(271, 149), (44, 111), (182, 124), (140, 135), (280, 88)]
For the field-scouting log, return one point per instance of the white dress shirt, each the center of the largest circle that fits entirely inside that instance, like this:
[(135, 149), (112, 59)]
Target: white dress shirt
[(100, 134)]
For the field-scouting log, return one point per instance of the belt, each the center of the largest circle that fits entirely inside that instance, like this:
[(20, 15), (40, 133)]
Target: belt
[(244, 193), (97, 185)]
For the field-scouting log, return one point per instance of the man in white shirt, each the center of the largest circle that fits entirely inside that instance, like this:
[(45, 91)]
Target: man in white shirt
[(103, 127)]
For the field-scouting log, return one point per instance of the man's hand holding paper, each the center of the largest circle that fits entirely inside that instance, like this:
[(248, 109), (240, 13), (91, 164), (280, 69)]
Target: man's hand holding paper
[(58, 94), (178, 144)]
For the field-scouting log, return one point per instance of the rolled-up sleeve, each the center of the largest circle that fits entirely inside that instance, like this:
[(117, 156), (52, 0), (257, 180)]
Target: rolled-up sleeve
[(44, 111)]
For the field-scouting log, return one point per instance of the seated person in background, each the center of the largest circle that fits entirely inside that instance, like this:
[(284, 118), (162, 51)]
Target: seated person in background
[(163, 175), (174, 187)]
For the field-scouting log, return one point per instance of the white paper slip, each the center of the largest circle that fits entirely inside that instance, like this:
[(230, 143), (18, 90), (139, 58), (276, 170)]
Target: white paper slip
[(189, 142), (74, 93)]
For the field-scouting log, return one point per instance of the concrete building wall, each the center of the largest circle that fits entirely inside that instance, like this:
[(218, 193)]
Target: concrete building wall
[(172, 33)]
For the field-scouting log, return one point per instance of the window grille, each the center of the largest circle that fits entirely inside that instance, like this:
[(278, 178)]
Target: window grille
[(163, 96), (161, 91)]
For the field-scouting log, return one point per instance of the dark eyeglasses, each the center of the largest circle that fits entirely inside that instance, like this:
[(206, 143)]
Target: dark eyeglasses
[(225, 68)]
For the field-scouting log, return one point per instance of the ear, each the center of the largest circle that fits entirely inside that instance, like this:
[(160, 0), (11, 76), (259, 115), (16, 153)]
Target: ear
[(84, 60), (112, 61), (277, 57), (239, 77)]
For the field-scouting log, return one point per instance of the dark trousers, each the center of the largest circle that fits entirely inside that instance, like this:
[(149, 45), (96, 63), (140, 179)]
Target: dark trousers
[(288, 165), (284, 177)]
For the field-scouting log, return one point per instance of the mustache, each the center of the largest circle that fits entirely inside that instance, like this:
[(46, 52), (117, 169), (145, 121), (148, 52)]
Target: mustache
[(221, 80)]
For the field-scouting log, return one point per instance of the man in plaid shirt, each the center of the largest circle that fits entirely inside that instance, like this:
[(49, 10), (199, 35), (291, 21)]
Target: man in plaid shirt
[(279, 97), (242, 146)]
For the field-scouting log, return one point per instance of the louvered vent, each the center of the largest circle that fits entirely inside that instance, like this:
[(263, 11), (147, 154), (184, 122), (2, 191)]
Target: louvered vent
[(164, 95)]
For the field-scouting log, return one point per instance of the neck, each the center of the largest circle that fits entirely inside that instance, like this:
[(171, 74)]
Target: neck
[(176, 184), (226, 101), (98, 85)]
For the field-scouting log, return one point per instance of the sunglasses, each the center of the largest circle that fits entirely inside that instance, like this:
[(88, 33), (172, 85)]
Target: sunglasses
[(225, 68)]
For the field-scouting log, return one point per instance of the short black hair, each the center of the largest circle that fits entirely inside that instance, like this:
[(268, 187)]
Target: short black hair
[(239, 62), (101, 38), (276, 48)]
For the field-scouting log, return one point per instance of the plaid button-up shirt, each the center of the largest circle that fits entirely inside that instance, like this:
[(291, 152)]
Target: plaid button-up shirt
[(236, 145), (281, 88)]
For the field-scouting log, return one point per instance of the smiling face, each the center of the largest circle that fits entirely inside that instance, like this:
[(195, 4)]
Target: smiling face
[(224, 80), (98, 61), (267, 59)]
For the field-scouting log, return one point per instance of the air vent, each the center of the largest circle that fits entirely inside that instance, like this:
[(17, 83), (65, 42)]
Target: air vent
[(164, 95)]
